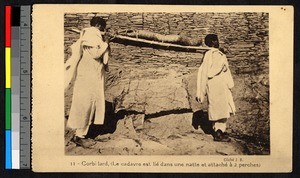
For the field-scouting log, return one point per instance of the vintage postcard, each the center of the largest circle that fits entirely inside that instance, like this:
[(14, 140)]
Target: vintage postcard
[(162, 88)]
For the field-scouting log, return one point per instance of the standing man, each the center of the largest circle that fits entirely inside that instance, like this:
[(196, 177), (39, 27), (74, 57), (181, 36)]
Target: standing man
[(87, 68), (215, 81)]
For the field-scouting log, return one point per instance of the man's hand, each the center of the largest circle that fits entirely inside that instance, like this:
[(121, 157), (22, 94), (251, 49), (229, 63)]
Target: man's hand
[(198, 99), (106, 37), (110, 35), (224, 68)]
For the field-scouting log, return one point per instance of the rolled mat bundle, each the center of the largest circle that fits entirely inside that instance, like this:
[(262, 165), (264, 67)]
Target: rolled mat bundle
[(175, 39)]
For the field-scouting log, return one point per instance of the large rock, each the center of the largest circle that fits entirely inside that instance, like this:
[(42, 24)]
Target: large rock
[(168, 126), (190, 82), (150, 96)]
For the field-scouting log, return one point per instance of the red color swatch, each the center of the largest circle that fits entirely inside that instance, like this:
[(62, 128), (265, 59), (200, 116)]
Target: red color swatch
[(7, 26)]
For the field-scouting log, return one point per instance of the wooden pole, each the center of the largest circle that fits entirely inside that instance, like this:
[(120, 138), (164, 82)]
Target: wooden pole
[(170, 46)]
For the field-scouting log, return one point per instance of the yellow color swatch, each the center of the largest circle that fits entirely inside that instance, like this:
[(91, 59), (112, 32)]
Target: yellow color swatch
[(7, 67)]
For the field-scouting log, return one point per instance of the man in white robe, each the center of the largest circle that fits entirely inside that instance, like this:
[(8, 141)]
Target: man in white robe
[(215, 81), (86, 66)]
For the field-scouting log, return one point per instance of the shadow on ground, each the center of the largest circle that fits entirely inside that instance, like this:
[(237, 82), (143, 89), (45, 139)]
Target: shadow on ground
[(110, 121), (200, 118)]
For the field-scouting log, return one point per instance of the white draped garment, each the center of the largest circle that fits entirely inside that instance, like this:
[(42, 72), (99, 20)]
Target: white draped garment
[(86, 67), (215, 80)]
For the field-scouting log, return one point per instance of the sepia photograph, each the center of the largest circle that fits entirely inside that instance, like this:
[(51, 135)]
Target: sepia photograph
[(161, 83), (162, 88)]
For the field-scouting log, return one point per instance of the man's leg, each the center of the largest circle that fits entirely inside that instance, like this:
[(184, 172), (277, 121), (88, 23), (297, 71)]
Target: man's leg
[(80, 140), (219, 127), (81, 133)]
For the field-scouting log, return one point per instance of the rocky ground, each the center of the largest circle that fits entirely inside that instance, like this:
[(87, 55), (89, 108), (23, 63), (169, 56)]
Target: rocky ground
[(151, 110)]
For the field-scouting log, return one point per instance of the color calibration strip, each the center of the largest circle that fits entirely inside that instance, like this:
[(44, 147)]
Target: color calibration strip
[(8, 149), (17, 86)]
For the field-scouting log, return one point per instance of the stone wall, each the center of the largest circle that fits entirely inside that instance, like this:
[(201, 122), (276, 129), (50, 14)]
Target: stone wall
[(244, 36)]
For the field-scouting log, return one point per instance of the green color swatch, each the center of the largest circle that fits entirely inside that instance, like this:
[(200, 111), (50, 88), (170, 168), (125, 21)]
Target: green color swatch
[(7, 109)]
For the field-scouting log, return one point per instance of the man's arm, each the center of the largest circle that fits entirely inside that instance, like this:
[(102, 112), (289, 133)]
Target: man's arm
[(106, 56), (99, 50), (202, 77)]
